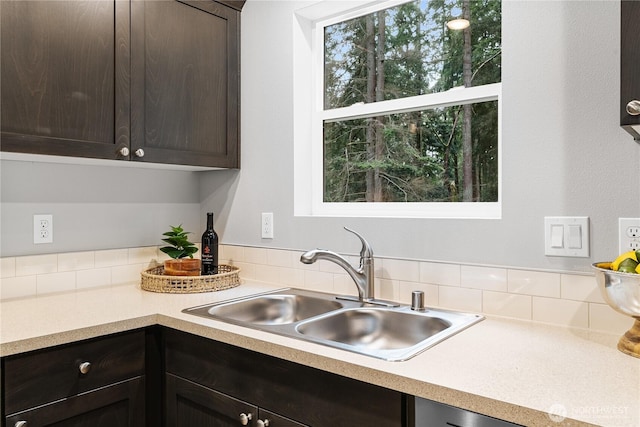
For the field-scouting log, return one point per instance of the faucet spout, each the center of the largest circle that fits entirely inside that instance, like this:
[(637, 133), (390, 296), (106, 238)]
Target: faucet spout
[(363, 276)]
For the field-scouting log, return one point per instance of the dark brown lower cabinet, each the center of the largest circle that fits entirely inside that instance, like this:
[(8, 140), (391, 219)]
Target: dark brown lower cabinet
[(193, 405), (118, 405), (208, 380), (97, 382)]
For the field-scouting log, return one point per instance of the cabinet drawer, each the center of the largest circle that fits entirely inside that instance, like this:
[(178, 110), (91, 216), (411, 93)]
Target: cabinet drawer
[(119, 405), (42, 376)]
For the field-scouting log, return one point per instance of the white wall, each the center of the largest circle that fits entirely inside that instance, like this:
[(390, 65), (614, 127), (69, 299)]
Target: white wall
[(564, 154)]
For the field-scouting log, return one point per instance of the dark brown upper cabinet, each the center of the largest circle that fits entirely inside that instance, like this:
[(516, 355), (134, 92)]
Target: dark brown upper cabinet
[(630, 68), (146, 81), (65, 77)]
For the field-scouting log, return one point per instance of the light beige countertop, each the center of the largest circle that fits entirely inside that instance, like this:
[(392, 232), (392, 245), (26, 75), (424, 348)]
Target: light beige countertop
[(514, 370)]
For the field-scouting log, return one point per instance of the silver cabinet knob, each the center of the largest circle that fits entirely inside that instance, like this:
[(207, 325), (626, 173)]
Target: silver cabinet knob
[(139, 152), (84, 368), (20, 424), (264, 423), (245, 418), (633, 108), (124, 151)]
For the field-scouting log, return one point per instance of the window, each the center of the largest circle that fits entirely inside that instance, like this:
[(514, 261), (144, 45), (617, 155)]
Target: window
[(405, 116)]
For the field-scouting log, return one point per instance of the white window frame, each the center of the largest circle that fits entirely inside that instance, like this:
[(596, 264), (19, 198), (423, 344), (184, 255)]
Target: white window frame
[(309, 116)]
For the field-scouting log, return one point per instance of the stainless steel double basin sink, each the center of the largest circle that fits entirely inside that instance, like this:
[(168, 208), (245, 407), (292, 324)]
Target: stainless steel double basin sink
[(390, 333)]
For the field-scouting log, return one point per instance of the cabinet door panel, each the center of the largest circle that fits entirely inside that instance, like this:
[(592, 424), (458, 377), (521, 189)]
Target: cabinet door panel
[(59, 91), (190, 404), (185, 82), (120, 405), (629, 64), (276, 420)]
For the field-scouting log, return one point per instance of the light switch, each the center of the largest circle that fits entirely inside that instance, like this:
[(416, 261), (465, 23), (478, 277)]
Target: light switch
[(557, 235), (566, 236), (575, 237)]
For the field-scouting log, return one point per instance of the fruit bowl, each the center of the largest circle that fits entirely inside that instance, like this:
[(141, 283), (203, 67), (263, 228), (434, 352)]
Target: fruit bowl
[(622, 292)]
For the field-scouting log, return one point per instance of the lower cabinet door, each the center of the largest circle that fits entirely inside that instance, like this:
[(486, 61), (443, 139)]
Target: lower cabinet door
[(121, 404), (193, 405), (269, 419)]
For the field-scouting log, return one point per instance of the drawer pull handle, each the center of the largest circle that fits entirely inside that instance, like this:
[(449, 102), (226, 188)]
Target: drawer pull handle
[(264, 423), (20, 424), (245, 418), (124, 151), (84, 367), (139, 152)]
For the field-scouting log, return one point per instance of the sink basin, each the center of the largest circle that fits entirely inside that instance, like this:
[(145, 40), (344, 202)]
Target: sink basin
[(374, 328), (389, 333), (393, 334), (272, 309)]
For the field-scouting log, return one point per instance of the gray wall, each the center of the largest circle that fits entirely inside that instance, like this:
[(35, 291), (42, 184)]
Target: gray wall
[(564, 154), (94, 207)]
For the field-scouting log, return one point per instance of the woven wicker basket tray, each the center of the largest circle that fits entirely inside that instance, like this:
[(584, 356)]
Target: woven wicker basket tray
[(154, 280)]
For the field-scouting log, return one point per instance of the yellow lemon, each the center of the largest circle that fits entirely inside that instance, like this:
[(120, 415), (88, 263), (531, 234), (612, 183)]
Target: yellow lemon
[(638, 268), (627, 255)]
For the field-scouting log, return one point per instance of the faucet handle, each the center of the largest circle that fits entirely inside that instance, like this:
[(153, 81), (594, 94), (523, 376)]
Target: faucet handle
[(366, 251)]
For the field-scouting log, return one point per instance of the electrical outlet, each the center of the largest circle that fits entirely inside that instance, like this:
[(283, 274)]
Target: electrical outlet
[(42, 229), (267, 225), (629, 234)]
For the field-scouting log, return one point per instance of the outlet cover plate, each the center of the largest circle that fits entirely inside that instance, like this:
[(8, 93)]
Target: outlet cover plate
[(628, 234), (42, 229)]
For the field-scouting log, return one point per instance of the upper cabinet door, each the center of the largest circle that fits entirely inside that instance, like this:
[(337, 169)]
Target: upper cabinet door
[(185, 83), (65, 77), (630, 67)]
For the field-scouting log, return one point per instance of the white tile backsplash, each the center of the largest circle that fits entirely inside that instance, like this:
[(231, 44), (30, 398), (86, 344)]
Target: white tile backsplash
[(280, 258), (485, 278), (56, 282), (400, 270), (536, 283), (561, 312), (111, 258), (255, 255), (603, 318), (440, 274), (556, 298), (458, 298), (507, 305), (93, 278), (580, 288), (7, 267), (76, 261), (18, 287), (36, 264)]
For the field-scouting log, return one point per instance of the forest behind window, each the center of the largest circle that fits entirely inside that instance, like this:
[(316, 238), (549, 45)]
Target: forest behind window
[(422, 153)]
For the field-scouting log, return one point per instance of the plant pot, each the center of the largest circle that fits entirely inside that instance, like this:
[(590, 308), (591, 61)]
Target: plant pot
[(182, 267)]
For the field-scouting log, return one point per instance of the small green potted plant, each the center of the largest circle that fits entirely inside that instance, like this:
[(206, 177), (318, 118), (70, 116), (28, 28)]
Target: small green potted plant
[(181, 251)]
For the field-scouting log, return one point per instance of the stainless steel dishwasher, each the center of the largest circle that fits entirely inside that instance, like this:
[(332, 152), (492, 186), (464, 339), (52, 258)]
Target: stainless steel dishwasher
[(427, 413)]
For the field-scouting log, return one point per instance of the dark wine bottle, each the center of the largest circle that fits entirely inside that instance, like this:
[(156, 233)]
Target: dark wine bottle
[(209, 264)]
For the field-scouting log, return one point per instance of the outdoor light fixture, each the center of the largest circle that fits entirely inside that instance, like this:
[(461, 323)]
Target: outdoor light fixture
[(458, 24)]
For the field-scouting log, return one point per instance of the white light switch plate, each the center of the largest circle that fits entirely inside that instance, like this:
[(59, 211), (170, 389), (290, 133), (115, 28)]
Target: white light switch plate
[(566, 236)]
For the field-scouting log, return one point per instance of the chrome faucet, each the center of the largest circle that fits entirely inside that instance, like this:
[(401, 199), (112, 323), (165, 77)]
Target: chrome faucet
[(363, 276)]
